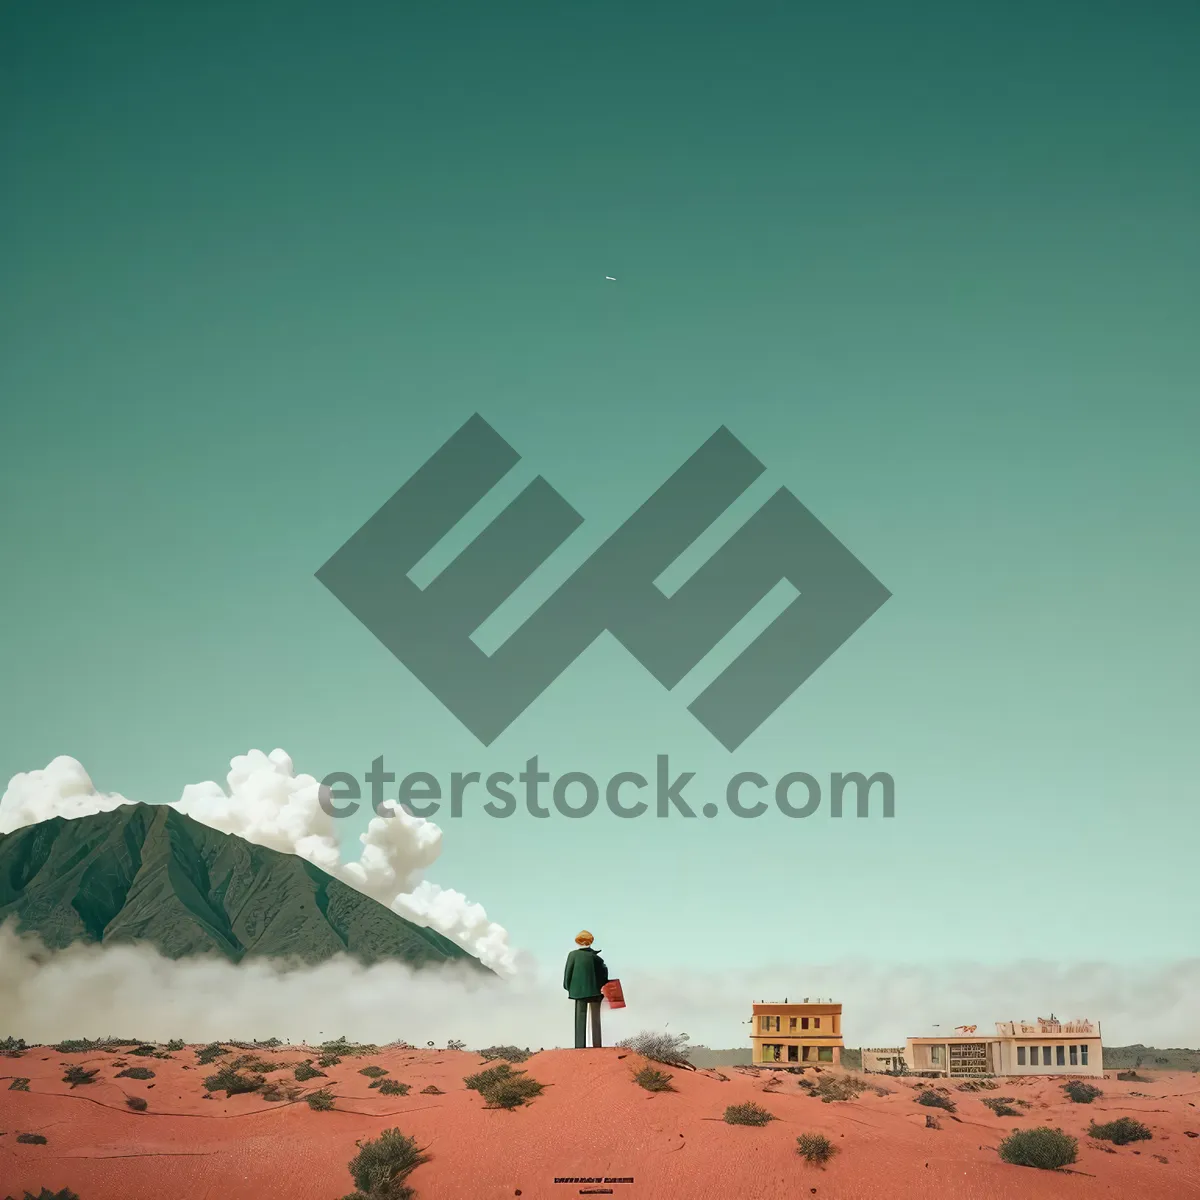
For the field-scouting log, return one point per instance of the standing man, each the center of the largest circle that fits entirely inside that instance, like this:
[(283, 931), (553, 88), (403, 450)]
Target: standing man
[(585, 975)]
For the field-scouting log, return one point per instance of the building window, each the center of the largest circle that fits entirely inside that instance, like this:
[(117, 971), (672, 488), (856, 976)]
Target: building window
[(791, 1023), (1074, 1056), (764, 1023), (793, 1054), (825, 1054), (1045, 1056), (803, 1022), (1060, 1056), (1020, 1056), (1083, 1055), (935, 1055)]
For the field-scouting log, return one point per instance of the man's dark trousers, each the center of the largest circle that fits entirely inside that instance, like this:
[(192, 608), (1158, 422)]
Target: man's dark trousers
[(582, 1008)]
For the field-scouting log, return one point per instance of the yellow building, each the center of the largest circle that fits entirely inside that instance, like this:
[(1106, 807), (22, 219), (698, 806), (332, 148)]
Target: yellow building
[(802, 1034)]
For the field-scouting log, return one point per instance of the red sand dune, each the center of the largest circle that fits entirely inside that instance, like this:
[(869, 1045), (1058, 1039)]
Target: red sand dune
[(592, 1120)]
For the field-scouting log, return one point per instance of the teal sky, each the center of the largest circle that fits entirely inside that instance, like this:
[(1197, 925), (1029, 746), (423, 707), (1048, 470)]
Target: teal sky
[(935, 264)]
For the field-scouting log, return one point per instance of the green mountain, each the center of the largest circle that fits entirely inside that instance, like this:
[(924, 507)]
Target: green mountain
[(147, 873)]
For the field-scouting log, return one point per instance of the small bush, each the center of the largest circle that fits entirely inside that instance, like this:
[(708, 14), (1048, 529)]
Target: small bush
[(278, 1090), (432, 1090), (1120, 1132), (977, 1085), (306, 1071), (31, 1139), (253, 1062), (1047, 1149), (381, 1166), (137, 1103), (143, 1051), (1002, 1106), (653, 1080), (19, 1085), (1132, 1077), (47, 1194), (1080, 1092), (349, 1049), (232, 1082), (829, 1088), (502, 1087), (932, 1099), (176, 1044), (747, 1114), (815, 1148), (12, 1047), (328, 1060), (373, 1072), (321, 1101), (76, 1076), (136, 1073), (512, 1054), (666, 1048), (210, 1053), (391, 1087), (86, 1045)]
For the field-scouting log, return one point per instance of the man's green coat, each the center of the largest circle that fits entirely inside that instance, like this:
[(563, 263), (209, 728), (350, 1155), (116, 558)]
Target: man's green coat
[(585, 975)]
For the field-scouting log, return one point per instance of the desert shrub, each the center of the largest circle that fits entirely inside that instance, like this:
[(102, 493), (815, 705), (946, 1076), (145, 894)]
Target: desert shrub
[(829, 1088), (391, 1087), (86, 1045), (432, 1090), (512, 1054), (1046, 1148), (328, 1060), (271, 1043), (483, 1079), (932, 1099), (136, 1073), (176, 1044), (253, 1062), (1132, 1077), (815, 1148), (306, 1071), (321, 1101), (381, 1166), (47, 1194), (339, 1045), (666, 1048), (233, 1083), (747, 1114), (373, 1072), (455, 1044), (31, 1139), (279, 1089), (137, 1103), (143, 1051), (502, 1087), (977, 1085), (1080, 1092), (12, 1047), (76, 1075), (1120, 1132), (210, 1053), (653, 1080), (1002, 1106), (19, 1085)]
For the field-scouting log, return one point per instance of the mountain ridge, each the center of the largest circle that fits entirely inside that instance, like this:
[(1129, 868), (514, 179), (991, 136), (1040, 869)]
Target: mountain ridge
[(149, 874)]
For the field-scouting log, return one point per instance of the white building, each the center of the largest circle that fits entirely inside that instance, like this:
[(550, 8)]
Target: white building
[(1047, 1047)]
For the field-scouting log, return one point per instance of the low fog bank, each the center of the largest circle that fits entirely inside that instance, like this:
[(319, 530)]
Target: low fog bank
[(132, 991)]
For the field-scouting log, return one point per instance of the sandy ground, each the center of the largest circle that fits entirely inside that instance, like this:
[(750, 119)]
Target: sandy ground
[(592, 1120)]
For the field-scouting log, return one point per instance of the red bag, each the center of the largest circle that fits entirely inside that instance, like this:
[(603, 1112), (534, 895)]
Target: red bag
[(611, 991)]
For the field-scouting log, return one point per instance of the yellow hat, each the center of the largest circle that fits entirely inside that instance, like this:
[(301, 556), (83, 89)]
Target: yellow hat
[(584, 938)]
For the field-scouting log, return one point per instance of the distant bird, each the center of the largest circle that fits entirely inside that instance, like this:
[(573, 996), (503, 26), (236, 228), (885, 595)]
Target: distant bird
[(611, 278)]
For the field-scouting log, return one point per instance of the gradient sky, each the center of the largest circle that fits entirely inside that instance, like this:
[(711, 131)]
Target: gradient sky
[(935, 264)]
